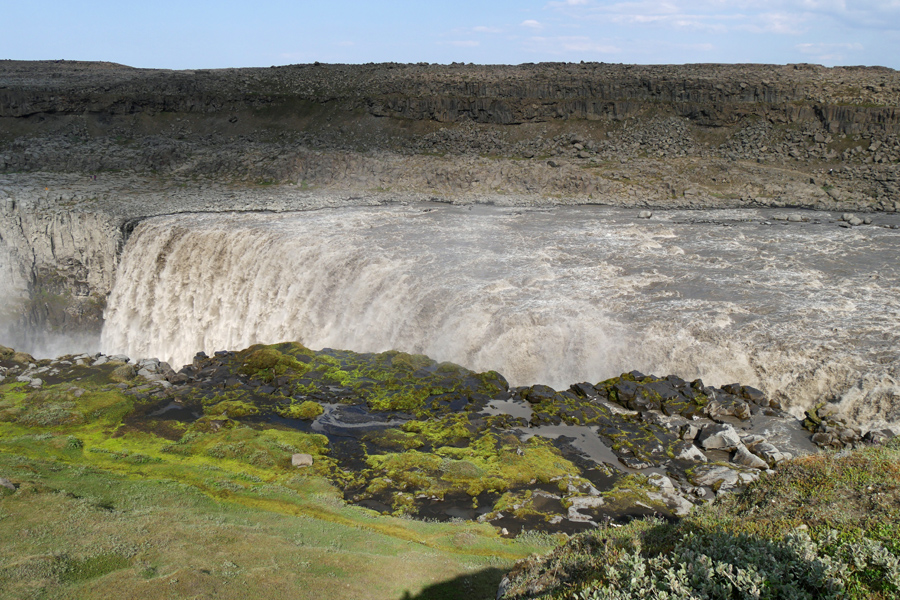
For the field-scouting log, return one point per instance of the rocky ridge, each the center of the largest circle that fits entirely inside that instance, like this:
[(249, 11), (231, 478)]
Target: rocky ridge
[(799, 135)]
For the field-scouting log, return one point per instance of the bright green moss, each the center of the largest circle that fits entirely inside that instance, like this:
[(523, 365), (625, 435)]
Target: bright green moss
[(307, 411)]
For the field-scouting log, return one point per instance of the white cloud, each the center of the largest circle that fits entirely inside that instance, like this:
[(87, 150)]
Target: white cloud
[(783, 17), (571, 44), (532, 24)]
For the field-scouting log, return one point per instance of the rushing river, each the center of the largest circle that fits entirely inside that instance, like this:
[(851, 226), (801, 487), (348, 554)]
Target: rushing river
[(807, 311)]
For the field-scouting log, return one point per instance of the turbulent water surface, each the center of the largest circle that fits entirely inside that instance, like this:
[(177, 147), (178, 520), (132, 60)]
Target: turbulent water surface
[(805, 311)]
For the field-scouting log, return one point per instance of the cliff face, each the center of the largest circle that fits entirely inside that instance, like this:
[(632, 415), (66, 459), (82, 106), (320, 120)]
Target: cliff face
[(844, 99), (57, 266)]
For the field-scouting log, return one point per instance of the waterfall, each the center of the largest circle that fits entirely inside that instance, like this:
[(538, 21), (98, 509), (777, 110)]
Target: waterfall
[(549, 297)]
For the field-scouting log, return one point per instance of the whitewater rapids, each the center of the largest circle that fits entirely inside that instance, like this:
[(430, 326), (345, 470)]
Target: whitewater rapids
[(808, 312)]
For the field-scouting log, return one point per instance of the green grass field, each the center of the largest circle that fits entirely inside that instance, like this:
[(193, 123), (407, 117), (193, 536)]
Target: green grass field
[(105, 510)]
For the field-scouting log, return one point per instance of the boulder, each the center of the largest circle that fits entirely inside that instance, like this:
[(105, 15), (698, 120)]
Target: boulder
[(688, 451), (302, 460), (744, 457), (719, 437), (727, 405), (6, 483), (722, 478), (878, 437), (123, 374), (769, 453)]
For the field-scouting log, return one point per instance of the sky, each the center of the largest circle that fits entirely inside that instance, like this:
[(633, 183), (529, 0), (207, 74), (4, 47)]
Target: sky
[(191, 34)]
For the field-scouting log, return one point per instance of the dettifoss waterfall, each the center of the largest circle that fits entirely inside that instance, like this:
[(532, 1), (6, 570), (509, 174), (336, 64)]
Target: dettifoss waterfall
[(805, 311)]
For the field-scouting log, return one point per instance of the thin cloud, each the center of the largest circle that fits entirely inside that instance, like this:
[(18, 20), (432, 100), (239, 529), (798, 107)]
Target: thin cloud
[(571, 44), (829, 53), (532, 24), (483, 29), (783, 17)]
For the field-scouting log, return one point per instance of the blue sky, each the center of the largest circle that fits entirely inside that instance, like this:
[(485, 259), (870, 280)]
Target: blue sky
[(205, 34)]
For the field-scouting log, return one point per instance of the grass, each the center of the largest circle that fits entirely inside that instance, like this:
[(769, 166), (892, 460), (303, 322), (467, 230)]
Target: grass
[(72, 531), (824, 526), (107, 509)]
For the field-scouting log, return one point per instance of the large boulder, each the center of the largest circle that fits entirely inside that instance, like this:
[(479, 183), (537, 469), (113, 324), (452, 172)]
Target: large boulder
[(719, 437)]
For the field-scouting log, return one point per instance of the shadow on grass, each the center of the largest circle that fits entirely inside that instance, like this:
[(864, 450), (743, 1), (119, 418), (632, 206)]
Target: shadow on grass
[(481, 585)]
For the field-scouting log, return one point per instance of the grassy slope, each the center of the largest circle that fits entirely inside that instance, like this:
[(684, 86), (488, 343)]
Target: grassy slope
[(104, 511), (824, 526)]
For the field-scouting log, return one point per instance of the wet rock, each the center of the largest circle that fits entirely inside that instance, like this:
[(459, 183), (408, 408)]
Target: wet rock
[(585, 390), (579, 503), (539, 393), (726, 405)]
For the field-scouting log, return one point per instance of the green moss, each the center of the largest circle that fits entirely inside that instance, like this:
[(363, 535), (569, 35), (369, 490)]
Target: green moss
[(266, 363), (233, 409), (123, 374), (307, 410)]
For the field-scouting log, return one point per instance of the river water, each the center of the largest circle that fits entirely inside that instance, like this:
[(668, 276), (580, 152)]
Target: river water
[(806, 311)]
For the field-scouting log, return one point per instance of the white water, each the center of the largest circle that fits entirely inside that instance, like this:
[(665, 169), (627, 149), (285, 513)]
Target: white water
[(803, 311)]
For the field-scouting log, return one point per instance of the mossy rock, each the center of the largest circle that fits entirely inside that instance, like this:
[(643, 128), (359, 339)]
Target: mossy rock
[(6, 353), (266, 363), (306, 411), (23, 358), (233, 409), (123, 374)]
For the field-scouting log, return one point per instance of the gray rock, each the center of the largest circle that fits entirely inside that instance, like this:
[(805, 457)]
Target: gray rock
[(688, 451), (769, 453), (645, 214), (690, 431), (745, 458), (855, 221), (302, 460), (582, 502), (719, 437), (722, 478), (728, 406), (6, 483), (669, 495)]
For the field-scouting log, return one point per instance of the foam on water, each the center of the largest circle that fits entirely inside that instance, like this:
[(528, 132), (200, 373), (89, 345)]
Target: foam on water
[(806, 312)]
